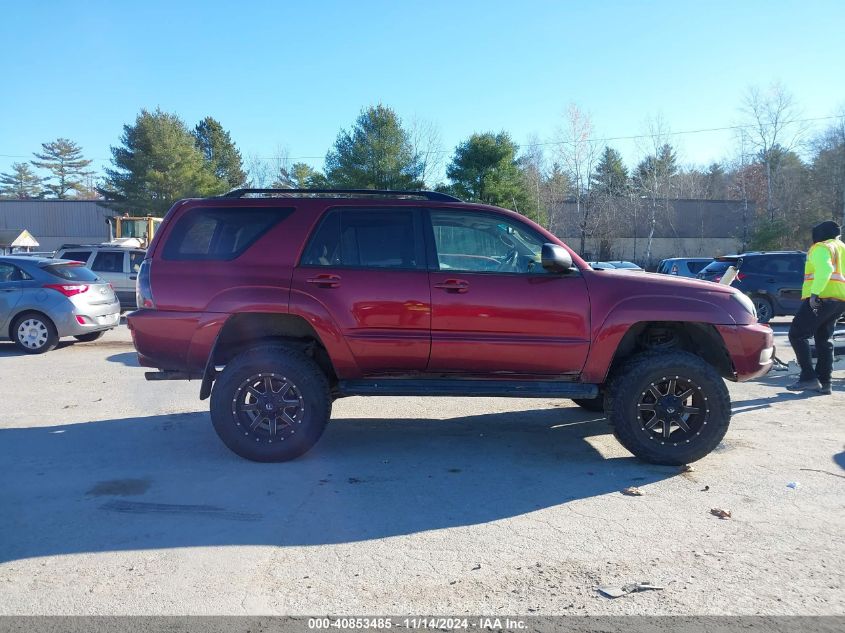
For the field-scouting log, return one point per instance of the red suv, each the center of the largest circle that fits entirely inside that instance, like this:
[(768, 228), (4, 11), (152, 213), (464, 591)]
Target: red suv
[(281, 301)]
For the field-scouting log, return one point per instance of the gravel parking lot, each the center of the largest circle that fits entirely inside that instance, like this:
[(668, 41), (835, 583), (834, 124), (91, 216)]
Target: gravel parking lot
[(118, 498)]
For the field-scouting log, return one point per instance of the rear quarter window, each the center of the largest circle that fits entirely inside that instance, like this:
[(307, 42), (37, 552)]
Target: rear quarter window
[(71, 272), (215, 233), (716, 267)]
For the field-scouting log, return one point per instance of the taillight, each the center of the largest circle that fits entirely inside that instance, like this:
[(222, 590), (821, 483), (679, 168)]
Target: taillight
[(68, 290), (717, 279), (740, 276), (143, 287)]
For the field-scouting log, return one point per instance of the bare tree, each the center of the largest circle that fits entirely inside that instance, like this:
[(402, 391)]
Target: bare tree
[(427, 146), (269, 172), (577, 152), (773, 128), (654, 175)]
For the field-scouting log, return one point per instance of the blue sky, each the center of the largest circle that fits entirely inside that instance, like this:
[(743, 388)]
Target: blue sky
[(292, 74)]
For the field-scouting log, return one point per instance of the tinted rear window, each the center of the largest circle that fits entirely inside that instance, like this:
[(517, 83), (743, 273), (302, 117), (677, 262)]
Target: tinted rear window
[(72, 272), (219, 233), (716, 267), (76, 256), (695, 267), (383, 238)]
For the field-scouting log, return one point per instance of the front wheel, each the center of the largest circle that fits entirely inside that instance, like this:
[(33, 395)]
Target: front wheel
[(670, 408), (764, 308), (270, 404)]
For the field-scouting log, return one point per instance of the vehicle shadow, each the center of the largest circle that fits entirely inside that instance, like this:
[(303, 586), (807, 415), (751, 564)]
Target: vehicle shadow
[(167, 481), (8, 348), (130, 359)]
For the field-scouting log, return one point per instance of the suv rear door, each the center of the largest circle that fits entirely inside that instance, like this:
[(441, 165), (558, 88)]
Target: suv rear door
[(366, 266), (494, 308)]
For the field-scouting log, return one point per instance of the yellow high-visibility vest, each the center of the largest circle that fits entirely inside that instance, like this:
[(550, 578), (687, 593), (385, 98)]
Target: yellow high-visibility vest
[(823, 272)]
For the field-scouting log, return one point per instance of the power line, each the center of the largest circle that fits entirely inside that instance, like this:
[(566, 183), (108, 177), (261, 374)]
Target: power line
[(548, 143)]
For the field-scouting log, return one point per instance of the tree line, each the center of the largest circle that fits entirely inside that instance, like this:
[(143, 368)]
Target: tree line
[(795, 178)]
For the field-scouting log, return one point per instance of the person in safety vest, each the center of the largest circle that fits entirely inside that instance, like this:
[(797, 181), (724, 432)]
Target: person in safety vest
[(823, 302)]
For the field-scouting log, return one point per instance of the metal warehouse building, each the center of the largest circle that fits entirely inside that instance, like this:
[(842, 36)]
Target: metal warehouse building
[(56, 222)]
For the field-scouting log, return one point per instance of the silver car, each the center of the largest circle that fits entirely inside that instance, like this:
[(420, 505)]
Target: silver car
[(43, 300)]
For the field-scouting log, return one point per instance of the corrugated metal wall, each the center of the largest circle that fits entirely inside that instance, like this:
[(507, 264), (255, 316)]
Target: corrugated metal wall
[(55, 222)]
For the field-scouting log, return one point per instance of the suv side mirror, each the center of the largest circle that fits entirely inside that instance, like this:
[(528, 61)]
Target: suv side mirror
[(555, 259)]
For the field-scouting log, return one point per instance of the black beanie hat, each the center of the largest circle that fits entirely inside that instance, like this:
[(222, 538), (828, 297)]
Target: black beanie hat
[(825, 231)]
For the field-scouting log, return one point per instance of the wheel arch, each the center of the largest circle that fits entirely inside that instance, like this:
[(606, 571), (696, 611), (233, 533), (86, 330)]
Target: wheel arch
[(701, 339), (244, 331)]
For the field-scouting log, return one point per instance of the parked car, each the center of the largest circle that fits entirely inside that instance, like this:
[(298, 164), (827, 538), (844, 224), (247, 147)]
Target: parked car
[(281, 303), (601, 265), (771, 279), (683, 266), (623, 265), (43, 300), (117, 265)]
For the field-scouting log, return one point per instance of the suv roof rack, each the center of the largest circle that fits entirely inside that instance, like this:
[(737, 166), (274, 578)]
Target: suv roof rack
[(428, 195)]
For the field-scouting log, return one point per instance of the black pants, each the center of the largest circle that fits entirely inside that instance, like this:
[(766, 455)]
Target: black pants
[(820, 327)]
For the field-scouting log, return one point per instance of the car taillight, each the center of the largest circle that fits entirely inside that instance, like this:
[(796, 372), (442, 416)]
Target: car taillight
[(143, 287), (68, 290), (740, 276), (717, 279)]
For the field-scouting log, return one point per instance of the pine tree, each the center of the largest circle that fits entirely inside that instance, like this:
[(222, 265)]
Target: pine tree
[(375, 154), (220, 153), (485, 169), (304, 176), (21, 183), (63, 159), (610, 176), (156, 164)]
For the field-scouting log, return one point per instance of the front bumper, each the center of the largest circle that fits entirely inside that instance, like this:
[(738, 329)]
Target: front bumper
[(751, 348)]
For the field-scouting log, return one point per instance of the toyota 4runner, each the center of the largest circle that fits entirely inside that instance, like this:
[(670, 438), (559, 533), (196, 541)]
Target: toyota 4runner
[(281, 301)]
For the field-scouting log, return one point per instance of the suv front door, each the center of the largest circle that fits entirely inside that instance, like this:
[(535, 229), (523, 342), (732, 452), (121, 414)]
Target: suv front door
[(494, 308), (367, 269)]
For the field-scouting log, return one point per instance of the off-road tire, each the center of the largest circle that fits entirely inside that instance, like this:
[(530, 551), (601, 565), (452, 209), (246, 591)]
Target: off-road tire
[(50, 335), (278, 443), (591, 404), (90, 337), (634, 380)]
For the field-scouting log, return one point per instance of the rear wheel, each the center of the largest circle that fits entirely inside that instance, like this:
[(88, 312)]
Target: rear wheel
[(670, 408), (270, 404), (90, 337), (765, 309), (34, 333)]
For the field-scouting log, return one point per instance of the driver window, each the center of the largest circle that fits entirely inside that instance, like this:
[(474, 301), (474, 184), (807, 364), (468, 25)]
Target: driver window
[(477, 242)]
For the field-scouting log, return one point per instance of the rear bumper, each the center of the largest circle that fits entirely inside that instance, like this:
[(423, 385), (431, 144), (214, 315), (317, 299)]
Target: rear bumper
[(176, 341), (96, 318), (751, 348)]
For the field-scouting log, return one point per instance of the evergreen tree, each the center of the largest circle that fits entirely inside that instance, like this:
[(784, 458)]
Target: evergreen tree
[(485, 169), (220, 153), (610, 176), (21, 183), (63, 159), (716, 182), (653, 173), (303, 176), (375, 154), (156, 164)]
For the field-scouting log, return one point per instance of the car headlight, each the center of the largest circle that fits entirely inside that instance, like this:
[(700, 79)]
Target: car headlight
[(745, 302)]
